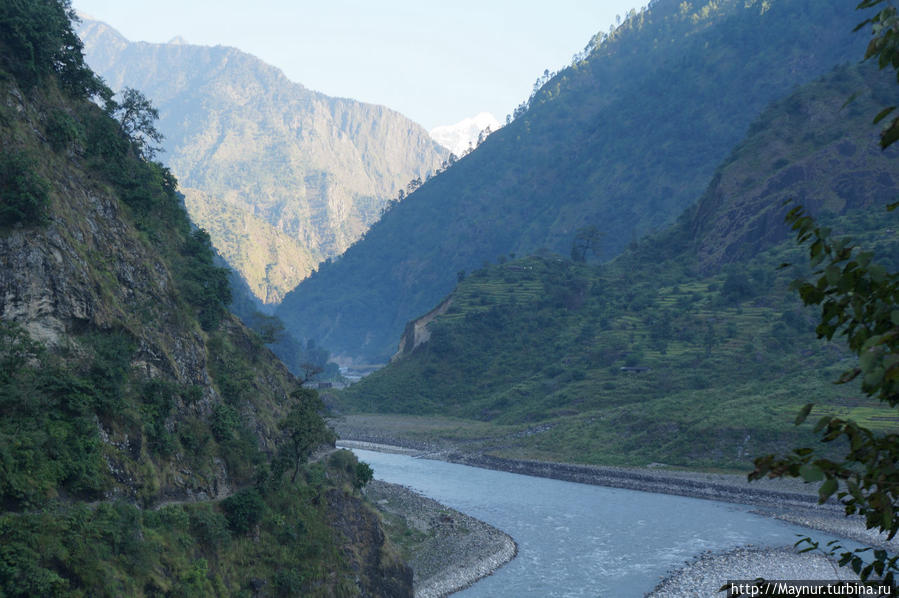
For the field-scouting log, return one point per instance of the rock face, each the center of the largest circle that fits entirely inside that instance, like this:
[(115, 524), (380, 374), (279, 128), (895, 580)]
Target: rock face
[(417, 333), (303, 174), (378, 572), (165, 408), (810, 149), (89, 272)]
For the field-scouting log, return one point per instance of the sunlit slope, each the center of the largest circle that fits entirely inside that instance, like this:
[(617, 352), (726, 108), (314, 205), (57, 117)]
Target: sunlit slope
[(317, 169), (623, 140)]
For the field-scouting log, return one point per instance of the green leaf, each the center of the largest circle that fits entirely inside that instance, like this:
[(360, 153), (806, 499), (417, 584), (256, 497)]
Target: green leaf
[(883, 114), (803, 413), (889, 135), (827, 488), (811, 473), (833, 274)]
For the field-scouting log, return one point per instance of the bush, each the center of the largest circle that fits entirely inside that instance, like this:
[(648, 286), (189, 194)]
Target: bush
[(364, 474), (209, 527), (288, 582), (23, 193), (243, 510), (203, 284), (225, 422), (343, 460), (63, 130)]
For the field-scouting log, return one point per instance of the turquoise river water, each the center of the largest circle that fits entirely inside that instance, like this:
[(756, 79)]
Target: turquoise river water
[(579, 540)]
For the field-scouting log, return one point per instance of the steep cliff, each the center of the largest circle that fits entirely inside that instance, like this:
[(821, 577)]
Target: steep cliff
[(299, 163), (147, 438), (811, 148)]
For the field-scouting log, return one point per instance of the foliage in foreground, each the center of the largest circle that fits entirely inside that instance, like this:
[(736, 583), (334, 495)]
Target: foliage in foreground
[(859, 301)]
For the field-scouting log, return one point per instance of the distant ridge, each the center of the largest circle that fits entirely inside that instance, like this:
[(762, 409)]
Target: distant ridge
[(310, 170), (623, 140)]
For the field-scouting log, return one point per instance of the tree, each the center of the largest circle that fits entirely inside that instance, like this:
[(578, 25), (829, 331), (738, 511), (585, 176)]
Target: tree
[(303, 429), (586, 240), (138, 117), (858, 300), (37, 39), (884, 45), (269, 328), (363, 475)]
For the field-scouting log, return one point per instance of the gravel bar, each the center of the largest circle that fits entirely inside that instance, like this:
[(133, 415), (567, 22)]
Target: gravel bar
[(704, 575), (453, 551)]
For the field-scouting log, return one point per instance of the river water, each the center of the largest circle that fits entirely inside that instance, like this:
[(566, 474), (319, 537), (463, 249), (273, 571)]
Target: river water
[(579, 540)]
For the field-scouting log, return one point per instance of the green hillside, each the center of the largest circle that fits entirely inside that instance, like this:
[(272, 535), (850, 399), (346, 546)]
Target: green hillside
[(625, 140), (149, 444), (689, 349)]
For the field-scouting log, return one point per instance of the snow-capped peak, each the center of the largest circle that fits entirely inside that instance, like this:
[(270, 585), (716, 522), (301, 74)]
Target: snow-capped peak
[(457, 138)]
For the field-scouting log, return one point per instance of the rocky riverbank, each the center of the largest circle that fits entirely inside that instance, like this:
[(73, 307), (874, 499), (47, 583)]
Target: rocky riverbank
[(788, 500), (447, 550), (705, 575), (774, 494)]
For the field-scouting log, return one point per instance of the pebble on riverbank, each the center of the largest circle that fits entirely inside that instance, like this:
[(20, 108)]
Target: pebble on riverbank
[(705, 575), (447, 550)]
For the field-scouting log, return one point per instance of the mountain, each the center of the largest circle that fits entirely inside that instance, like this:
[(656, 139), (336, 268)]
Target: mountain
[(690, 348), (301, 173), (623, 140), (465, 134), (149, 443)]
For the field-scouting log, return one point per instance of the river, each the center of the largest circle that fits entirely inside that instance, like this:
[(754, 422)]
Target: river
[(579, 540)]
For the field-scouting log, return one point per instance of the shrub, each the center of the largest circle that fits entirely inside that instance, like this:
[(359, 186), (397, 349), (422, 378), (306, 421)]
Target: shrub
[(343, 460), (63, 130), (364, 474), (243, 510), (23, 193), (209, 527), (224, 422), (288, 582)]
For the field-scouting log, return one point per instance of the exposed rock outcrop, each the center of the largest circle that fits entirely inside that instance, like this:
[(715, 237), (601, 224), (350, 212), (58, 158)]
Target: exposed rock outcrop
[(266, 162), (378, 571)]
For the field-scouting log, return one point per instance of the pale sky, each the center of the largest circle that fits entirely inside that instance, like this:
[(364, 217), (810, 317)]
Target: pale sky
[(436, 63)]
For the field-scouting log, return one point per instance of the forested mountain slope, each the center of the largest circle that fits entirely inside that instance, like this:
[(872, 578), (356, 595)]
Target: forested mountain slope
[(149, 443), (281, 176), (690, 348), (624, 140)]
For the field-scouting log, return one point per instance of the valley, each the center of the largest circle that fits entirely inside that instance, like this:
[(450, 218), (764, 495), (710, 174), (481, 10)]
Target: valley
[(652, 316)]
